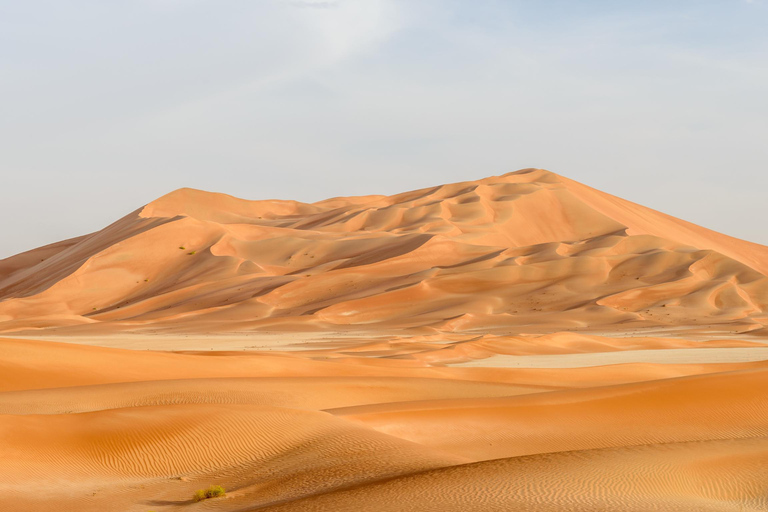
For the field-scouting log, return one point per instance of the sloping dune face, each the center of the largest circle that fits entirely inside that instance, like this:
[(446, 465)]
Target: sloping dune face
[(518, 343), (527, 248)]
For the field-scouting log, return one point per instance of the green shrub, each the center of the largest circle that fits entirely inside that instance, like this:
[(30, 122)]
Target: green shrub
[(213, 491)]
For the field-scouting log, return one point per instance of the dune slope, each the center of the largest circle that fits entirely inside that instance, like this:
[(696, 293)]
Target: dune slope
[(527, 248)]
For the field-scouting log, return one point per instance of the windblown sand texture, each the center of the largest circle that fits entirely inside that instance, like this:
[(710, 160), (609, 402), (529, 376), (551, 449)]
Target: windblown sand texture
[(521, 342)]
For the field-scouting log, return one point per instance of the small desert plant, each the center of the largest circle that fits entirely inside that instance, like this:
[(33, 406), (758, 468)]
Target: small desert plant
[(181, 247), (192, 253), (213, 491)]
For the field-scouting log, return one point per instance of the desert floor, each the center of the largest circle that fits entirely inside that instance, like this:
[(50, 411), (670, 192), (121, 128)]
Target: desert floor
[(356, 421)]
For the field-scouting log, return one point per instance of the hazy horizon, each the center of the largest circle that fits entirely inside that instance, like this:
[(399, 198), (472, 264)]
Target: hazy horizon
[(108, 107)]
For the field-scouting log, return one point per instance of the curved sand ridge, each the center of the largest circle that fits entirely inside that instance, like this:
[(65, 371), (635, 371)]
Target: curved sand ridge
[(289, 449), (710, 476), (527, 248), (717, 406), (182, 440)]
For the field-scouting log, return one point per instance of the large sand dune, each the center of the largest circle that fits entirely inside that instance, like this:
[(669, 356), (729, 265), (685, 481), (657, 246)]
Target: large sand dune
[(526, 248), (521, 342)]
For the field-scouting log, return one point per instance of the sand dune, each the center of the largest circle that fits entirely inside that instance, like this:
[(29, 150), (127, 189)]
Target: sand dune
[(717, 406), (314, 393), (520, 342), (527, 248), (104, 428), (93, 452), (724, 475)]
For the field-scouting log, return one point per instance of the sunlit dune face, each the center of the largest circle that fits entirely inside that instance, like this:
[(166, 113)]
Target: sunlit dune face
[(525, 249)]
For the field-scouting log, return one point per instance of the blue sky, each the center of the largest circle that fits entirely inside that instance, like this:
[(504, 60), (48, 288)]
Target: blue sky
[(108, 105)]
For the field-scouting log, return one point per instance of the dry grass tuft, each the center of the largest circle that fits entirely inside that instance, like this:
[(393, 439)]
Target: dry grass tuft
[(213, 491)]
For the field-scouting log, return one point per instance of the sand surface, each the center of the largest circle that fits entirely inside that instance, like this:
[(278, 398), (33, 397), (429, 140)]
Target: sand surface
[(521, 342)]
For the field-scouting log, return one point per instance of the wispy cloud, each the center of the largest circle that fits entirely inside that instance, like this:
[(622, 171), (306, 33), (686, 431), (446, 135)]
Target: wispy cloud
[(343, 28), (313, 4)]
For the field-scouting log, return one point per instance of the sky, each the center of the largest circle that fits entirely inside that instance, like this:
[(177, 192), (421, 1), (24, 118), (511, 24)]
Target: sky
[(105, 106)]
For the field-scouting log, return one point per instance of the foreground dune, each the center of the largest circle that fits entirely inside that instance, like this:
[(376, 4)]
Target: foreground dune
[(521, 342), (713, 475), (93, 428), (717, 406)]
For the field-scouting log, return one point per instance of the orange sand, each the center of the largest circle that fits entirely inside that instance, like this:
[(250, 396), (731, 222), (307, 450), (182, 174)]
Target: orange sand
[(520, 342)]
